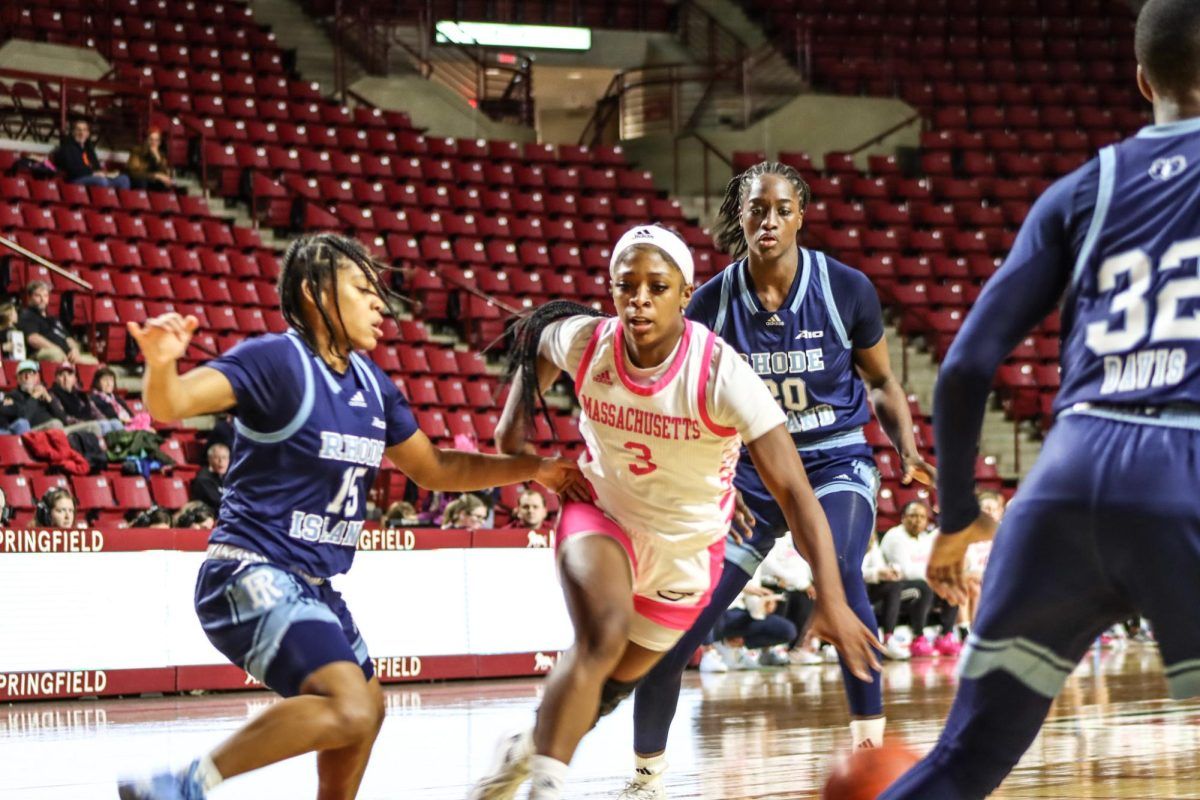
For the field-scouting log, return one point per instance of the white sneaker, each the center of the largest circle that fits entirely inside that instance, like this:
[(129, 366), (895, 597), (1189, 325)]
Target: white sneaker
[(510, 768), (711, 661), (773, 657), (801, 656), (830, 654), (641, 788), (895, 651), (736, 658)]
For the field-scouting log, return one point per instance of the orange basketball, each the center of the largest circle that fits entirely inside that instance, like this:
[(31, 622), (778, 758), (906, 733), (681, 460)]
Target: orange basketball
[(864, 774)]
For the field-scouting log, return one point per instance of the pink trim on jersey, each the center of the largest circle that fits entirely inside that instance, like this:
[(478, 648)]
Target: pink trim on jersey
[(678, 617), (586, 360), (702, 399), (577, 518), (619, 357)]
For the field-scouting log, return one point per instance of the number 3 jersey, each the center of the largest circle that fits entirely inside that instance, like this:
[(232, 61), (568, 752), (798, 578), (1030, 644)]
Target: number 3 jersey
[(1129, 225), (662, 443), (308, 445), (804, 351)]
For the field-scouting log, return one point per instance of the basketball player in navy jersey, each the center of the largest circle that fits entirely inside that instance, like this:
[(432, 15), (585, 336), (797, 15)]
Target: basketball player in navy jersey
[(313, 419), (812, 329), (1107, 524)]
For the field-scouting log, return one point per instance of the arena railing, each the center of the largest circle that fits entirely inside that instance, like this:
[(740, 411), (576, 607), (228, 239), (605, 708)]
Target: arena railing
[(41, 105)]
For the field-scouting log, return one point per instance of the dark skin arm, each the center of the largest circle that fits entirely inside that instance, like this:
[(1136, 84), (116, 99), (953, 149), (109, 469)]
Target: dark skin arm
[(891, 407), (779, 466)]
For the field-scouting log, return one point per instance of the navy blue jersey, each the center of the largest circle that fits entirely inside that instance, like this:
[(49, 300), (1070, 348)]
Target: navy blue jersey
[(1118, 242), (1132, 310), (804, 351), (307, 447)]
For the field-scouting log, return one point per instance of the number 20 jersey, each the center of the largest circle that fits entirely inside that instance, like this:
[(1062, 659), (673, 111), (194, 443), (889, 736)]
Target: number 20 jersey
[(1131, 315), (660, 457)]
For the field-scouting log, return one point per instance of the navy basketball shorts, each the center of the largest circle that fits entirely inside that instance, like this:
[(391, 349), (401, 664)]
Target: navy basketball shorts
[(1106, 525), (847, 469), (275, 624)]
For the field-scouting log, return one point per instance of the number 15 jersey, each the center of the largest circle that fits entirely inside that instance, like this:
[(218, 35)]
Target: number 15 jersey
[(662, 443)]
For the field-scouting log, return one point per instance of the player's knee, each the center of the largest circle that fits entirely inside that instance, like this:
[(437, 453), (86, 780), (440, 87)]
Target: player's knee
[(358, 714), (604, 638)]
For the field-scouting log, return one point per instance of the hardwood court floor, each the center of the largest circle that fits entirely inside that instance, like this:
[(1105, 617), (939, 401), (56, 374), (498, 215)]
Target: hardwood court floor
[(765, 734)]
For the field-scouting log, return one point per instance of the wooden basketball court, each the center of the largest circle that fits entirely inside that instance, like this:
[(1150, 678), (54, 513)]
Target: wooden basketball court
[(764, 734)]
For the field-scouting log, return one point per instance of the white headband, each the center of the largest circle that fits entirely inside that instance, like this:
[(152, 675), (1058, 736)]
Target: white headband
[(657, 236)]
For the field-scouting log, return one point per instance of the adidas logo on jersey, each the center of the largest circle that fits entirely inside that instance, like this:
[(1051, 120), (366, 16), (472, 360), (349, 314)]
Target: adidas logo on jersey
[(603, 377), (358, 401), (774, 321)]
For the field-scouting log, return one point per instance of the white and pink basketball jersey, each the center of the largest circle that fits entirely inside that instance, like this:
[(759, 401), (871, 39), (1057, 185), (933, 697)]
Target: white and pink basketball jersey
[(661, 455)]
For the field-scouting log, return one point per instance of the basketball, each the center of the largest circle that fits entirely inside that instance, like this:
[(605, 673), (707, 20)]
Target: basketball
[(864, 774)]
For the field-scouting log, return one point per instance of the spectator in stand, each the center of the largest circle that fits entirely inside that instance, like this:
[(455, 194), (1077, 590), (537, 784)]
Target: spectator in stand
[(78, 405), (531, 511), (209, 484), (56, 509), (906, 547), (785, 571), (992, 504), (11, 421), (467, 512), (196, 514), (76, 159), (33, 402), (750, 634), (12, 341), (148, 167), (46, 335), (401, 514), (106, 399)]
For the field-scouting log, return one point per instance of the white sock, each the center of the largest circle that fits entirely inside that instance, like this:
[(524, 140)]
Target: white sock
[(549, 775), (867, 732), (207, 773), (649, 768)]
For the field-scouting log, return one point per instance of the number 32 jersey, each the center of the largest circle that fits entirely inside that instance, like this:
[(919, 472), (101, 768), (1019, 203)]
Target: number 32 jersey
[(662, 443), (1131, 316), (307, 448)]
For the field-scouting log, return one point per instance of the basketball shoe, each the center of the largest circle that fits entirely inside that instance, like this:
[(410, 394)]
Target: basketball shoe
[(164, 786), (641, 788), (510, 768)]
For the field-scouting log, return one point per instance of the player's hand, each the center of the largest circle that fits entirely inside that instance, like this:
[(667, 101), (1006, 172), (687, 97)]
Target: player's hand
[(917, 469), (562, 476), (836, 623), (742, 527), (946, 573), (164, 339)]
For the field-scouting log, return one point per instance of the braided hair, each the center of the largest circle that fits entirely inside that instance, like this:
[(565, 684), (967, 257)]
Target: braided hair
[(727, 231), (313, 261), (523, 354)]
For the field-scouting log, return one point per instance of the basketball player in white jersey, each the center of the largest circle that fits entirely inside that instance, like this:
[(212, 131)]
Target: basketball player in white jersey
[(666, 407)]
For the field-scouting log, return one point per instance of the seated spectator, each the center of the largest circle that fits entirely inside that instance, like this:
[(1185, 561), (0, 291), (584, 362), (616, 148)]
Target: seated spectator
[(11, 421), (890, 594), (78, 405), (196, 514), (467, 512), (530, 512), (12, 341), (750, 634), (6, 511), (33, 402), (209, 484), (106, 399), (401, 514), (77, 161), (786, 572), (153, 517), (992, 504), (46, 335), (56, 509), (906, 548), (147, 165)]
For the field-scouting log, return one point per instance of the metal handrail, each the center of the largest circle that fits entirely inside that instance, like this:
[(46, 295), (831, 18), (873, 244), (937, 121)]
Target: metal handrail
[(66, 84)]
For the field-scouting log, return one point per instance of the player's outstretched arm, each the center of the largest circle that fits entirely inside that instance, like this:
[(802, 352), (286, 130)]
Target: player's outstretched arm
[(891, 406), (454, 471), (778, 464), (169, 396)]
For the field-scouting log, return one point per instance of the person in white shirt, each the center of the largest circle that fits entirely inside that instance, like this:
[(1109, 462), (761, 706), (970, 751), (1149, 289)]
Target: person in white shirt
[(906, 548), (887, 593), (665, 409)]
